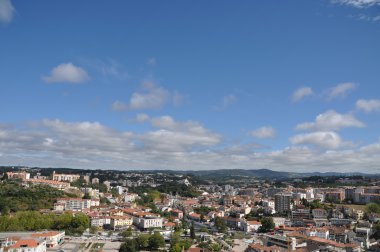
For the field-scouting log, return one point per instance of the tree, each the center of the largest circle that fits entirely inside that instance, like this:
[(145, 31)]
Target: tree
[(372, 208), (220, 225), (192, 231), (267, 224), (215, 247), (156, 241), (129, 246), (142, 241), (127, 233)]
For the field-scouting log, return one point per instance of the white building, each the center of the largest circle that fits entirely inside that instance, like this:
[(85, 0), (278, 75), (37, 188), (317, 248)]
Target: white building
[(148, 222), (130, 197), (75, 204), (250, 226), (65, 177)]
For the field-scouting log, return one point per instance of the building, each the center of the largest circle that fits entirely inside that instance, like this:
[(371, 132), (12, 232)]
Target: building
[(65, 177), (56, 184), (18, 175), (250, 226), (52, 238), (178, 214), (99, 221), (283, 202), (121, 222), (29, 245), (319, 213), (30, 241), (301, 214), (74, 204), (148, 222), (95, 181), (255, 247)]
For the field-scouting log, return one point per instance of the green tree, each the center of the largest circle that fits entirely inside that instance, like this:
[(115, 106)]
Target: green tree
[(267, 224), (220, 225), (372, 208), (142, 241), (192, 231), (156, 241), (127, 233), (129, 245)]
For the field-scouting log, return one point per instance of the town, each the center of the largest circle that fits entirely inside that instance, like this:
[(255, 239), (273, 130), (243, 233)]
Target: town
[(103, 210)]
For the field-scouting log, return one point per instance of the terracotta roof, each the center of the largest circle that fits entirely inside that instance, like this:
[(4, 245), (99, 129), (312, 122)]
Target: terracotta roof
[(28, 243), (46, 234)]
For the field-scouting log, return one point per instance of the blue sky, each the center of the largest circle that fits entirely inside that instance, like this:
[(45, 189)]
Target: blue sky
[(284, 85)]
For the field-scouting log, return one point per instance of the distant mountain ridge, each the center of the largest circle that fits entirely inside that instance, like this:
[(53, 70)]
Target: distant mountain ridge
[(270, 174), (258, 173)]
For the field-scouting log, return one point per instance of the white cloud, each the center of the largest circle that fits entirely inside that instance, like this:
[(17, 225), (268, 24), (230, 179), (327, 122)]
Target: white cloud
[(152, 97), (358, 3), (301, 93), (6, 11), (176, 144), (119, 106), (67, 72), (149, 97), (331, 120), (228, 100), (264, 132), (368, 105), (142, 118), (340, 90), (324, 139)]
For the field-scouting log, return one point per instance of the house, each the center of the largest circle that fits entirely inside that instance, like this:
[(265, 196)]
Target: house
[(232, 222), (319, 213), (178, 214), (121, 222), (255, 247), (195, 216), (250, 226), (29, 245), (52, 238)]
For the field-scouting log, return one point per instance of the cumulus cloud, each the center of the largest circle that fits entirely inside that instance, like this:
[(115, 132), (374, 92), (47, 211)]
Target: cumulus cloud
[(264, 132), (368, 105), (340, 90), (301, 93), (357, 3), (142, 117), (331, 120), (150, 96), (324, 139), (67, 72), (171, 144), (119, 106), (228, 100), (6, 11)]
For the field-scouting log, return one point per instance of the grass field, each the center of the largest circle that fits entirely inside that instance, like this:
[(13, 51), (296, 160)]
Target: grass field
[(356, 207)]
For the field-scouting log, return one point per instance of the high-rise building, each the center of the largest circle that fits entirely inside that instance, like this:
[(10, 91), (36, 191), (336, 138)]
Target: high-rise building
[(283, 202)]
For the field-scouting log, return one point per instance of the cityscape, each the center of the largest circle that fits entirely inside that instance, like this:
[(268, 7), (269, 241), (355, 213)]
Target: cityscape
[(190, 126)]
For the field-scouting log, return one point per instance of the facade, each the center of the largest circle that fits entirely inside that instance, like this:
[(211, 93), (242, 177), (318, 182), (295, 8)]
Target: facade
[(75, 204), (65, 177), (121, 222), (29, 241), (148, 222), (100, 221), (283, 202), (56, 184), (250, 226), (18, 175)]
